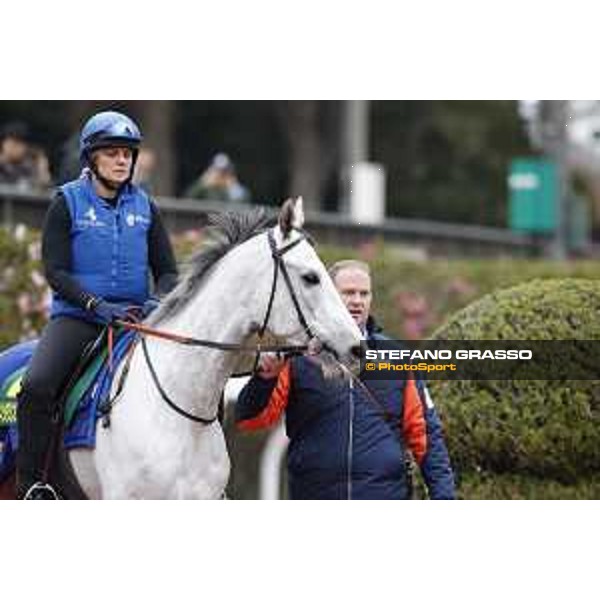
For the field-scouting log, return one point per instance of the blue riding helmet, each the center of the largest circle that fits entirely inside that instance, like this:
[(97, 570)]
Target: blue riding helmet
[(107, 129)]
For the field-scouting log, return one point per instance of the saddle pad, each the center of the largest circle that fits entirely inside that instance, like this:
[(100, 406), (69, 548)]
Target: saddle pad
[(13, 363), (98, 378), (82, 385), (8, 447)]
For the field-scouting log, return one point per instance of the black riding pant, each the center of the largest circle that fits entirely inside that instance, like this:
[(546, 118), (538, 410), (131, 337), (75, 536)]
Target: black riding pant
[(60, 347)]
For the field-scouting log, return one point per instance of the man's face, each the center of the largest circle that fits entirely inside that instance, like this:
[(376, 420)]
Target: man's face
[(354, 286), (114, 164)]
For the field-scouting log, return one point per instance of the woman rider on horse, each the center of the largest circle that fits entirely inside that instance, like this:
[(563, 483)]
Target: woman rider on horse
[(102, 238)]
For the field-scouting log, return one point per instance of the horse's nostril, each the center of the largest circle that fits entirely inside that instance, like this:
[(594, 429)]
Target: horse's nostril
[(355, 351)]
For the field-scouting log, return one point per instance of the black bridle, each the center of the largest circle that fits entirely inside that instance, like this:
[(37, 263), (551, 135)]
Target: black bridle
[(278, 266)]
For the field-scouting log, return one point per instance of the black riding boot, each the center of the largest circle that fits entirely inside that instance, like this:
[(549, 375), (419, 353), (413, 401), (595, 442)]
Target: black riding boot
[(62, 343), (35, 432)]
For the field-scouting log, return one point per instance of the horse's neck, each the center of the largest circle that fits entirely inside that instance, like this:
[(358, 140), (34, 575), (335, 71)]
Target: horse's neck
[(194, 375)]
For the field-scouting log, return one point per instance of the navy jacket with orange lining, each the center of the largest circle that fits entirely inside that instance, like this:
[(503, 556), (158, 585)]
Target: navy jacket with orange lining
[(341, 444)]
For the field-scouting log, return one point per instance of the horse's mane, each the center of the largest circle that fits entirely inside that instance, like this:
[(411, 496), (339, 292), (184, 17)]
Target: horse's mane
[(224, 231)]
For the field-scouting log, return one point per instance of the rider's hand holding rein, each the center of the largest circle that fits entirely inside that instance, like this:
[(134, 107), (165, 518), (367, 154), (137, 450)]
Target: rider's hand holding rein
[(109, 312)]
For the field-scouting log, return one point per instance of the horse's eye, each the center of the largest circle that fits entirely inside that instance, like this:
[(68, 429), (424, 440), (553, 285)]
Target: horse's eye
[(311, 278)]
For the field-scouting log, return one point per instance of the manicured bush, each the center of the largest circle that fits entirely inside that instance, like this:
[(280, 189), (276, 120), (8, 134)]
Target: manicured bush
[(487, 486), (545, 429)]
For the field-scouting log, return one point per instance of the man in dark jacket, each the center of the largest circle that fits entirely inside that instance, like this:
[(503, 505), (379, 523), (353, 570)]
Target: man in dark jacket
[(348, 440)]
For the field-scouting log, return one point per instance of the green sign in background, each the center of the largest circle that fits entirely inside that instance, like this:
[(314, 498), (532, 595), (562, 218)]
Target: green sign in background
[(534, 187)]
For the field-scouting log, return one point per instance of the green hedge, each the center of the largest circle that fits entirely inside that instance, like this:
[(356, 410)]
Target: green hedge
[(413, 298), (548, 430), (487, 486)]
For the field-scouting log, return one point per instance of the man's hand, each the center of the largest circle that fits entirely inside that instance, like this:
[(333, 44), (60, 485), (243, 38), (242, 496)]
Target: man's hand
[(270, 365)]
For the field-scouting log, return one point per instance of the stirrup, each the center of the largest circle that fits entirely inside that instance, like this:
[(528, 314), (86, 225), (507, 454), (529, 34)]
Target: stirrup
[(41, 491)]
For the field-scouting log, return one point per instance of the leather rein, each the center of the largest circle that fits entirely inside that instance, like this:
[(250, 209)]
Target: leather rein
[(143, 330)]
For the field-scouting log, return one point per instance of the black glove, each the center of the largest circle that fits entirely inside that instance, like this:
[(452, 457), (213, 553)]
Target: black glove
[(109, 312)]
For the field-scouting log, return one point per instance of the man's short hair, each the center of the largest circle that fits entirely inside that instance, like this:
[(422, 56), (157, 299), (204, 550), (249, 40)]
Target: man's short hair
[(342, 265)]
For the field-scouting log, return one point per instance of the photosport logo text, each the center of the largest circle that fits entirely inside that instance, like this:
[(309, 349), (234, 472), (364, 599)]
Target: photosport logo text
[(480, 360)]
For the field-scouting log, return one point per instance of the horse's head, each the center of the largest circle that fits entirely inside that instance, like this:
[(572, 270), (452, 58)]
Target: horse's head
[(304, 301), (247, 279)]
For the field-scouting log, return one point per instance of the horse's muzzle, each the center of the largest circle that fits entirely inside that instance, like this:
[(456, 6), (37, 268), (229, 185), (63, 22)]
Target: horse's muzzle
[(355, 351)]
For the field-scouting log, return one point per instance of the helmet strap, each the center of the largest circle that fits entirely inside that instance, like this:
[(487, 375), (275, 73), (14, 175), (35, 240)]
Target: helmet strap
[(110, 185)]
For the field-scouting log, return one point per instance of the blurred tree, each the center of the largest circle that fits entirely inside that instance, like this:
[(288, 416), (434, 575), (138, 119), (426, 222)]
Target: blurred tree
[(311, 129), (247, 131), (448, 160), (158, 118), (279, 148), (445, 160), (300, 124)]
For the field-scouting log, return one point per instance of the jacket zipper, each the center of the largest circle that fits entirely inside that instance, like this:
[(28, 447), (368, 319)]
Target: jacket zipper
[(350, 442)]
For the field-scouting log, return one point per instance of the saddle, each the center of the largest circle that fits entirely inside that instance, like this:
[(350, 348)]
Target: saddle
[(86, 393)]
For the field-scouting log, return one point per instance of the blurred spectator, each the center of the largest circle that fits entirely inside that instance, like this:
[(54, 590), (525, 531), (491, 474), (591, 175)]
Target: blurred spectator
[(43, 178), (22, 164), (144, 170), (70, 166), (219, 182)]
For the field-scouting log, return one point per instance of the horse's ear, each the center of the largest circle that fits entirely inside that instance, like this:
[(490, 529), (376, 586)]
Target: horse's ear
[(298, 219), (291, 215)]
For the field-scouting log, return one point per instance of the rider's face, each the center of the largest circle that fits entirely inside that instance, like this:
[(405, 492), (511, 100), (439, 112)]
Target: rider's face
[(354, 286), (114, 164)]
